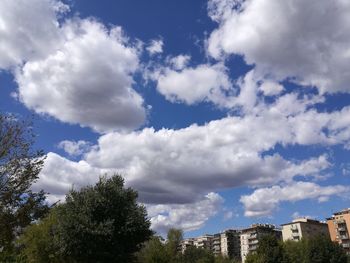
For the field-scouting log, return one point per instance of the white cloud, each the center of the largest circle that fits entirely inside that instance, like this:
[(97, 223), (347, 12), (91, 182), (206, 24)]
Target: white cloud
[(200, 159), (184, 216), (155, 47), (179, 62), (59, 175), (270, 88), (28, 30), (221, 154), (87, 81), (264, 201), (307, 42), (75, 148), (193, 85), (228, 215)]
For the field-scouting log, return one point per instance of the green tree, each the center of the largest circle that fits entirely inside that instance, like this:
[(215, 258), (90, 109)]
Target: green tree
[(38, 242), (321, 249), (318, 249), (174, 238), (296, 251), (102, 223), (270, 250), (222, 259), (20, 166), (154, 251), (253, 258), (198, 255)]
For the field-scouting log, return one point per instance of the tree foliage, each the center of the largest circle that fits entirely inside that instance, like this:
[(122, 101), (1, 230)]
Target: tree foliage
[(318, 249), (321, 249), (156, 251), (20, 166), (101, 223), (174, 238), (198, 255), (38, 243)]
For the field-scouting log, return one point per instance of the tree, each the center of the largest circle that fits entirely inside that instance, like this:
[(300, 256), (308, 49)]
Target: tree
[(154, 251), (20, 166), (318, 249), (321, 249), (296, 251), (270, 250), (38, 243), (198, 255), (102, 223), (174, 238)]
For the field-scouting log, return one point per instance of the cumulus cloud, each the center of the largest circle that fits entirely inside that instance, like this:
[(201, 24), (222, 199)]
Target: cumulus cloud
[(74, 148), (262, 202), (221, 154), (192, 85), (218, 155), (89, 77), (306, 42), (28, 30), (270, 88), (184, 216), (59, 175), (155, 47), (179, 62)]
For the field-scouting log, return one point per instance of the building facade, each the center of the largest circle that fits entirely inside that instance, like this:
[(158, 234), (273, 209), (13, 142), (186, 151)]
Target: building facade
[(205, 242), (303, 228), (250, 237), (230, 244), (226, 243), (339, 228)]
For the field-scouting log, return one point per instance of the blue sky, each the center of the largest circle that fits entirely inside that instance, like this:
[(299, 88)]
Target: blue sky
[(220, 113)]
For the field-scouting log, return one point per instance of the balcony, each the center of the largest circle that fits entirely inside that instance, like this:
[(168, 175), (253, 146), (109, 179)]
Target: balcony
[(253, 242), (252, 248), (293, 227), (295, 234), (254, 236), (342, 237)]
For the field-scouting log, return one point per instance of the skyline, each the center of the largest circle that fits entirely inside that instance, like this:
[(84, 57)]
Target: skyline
[(220, 113)]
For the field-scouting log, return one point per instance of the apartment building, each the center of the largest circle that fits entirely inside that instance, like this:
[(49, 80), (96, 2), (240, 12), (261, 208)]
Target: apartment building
[(250, 237), (188, 242), (303, 228), (226, 243), (205, 242), (230, 244), (216, 245), (339, 228)]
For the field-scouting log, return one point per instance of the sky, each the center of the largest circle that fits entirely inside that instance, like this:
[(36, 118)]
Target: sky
[(220, 113)]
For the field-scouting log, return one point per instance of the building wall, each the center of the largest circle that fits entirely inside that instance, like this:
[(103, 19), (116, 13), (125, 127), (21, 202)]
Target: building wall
[(250, 237), (339, 228), (303, 228), (230, 244)]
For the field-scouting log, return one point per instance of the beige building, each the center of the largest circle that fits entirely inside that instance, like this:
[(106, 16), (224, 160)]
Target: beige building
[(250, 237), (188, 242), (339, 228), (205, 242), (226, 243), (230, 245), (303, 228)]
